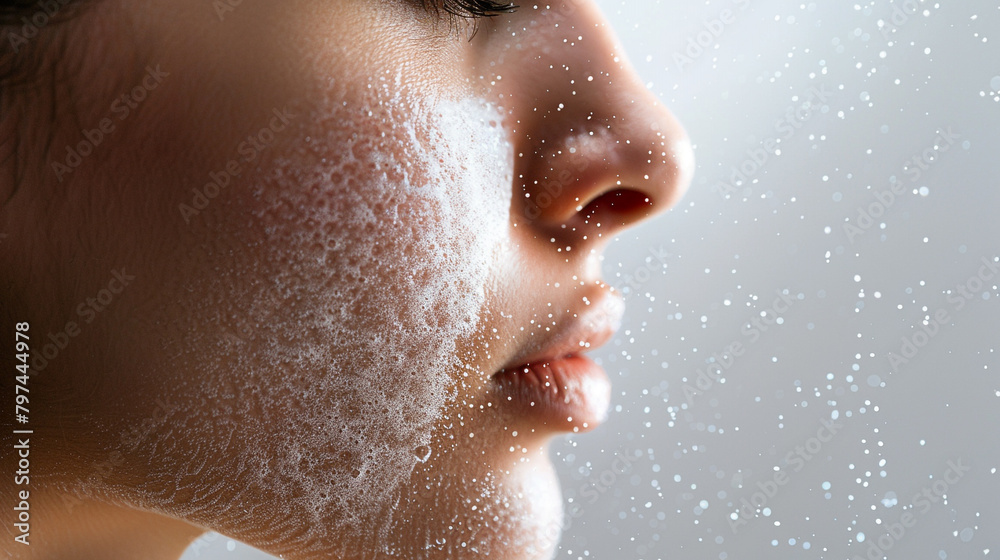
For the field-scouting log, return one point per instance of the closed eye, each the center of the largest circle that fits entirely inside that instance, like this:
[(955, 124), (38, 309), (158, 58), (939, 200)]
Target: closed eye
[(473, 9)]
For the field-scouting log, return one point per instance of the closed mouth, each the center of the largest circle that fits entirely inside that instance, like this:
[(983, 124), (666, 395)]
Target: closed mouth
[(556, 387)]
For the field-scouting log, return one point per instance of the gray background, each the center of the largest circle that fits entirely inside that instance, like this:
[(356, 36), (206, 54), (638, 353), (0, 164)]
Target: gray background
[(663, 476)]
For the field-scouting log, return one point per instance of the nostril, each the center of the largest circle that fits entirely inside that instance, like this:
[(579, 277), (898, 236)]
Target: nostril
[(618, 207)]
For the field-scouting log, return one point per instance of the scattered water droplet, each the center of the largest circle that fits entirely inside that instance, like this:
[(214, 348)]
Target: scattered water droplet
[(422, 453)]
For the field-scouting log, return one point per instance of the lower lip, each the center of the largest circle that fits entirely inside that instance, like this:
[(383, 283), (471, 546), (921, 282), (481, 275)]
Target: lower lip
[(568, 394)]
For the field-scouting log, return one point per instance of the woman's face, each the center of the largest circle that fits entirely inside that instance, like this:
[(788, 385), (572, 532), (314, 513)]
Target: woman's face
[(359, 247)]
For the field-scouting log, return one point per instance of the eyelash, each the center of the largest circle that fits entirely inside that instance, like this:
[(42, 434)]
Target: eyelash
[(471, 9)]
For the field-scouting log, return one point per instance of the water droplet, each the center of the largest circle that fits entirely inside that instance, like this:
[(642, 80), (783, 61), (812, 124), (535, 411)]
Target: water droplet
[(422, 453), (890, 499)]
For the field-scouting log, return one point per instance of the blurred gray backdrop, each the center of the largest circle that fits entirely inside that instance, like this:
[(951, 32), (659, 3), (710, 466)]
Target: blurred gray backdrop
[(809, 366)]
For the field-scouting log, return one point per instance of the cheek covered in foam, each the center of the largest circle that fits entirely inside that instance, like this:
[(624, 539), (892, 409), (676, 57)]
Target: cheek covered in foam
[(375, 241)]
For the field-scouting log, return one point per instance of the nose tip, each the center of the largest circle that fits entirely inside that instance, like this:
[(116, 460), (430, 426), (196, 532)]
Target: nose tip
[(634, 164), (599, 153), (643, 170)]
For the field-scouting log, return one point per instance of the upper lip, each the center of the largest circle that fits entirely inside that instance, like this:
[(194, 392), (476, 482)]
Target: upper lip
[(575, 333)]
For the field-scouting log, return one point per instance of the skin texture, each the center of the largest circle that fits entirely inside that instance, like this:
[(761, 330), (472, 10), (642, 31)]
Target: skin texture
[(302, 359)]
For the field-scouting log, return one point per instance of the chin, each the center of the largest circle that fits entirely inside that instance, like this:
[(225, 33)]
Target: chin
[(510, 511)]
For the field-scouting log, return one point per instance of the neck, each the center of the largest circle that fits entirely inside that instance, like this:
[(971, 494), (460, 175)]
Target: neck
[(67, 528)]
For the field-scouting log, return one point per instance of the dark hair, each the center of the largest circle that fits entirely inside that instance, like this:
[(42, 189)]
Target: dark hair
[(26, 25), (11, 11), (29, 47)]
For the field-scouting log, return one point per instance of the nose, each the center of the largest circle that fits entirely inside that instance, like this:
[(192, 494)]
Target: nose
[(595, 150)]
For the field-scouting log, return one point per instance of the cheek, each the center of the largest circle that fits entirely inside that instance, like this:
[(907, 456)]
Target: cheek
[(393, 220), (372, 247)]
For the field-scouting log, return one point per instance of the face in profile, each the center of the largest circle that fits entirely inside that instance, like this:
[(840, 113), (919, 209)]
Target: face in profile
[(319, 276)]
